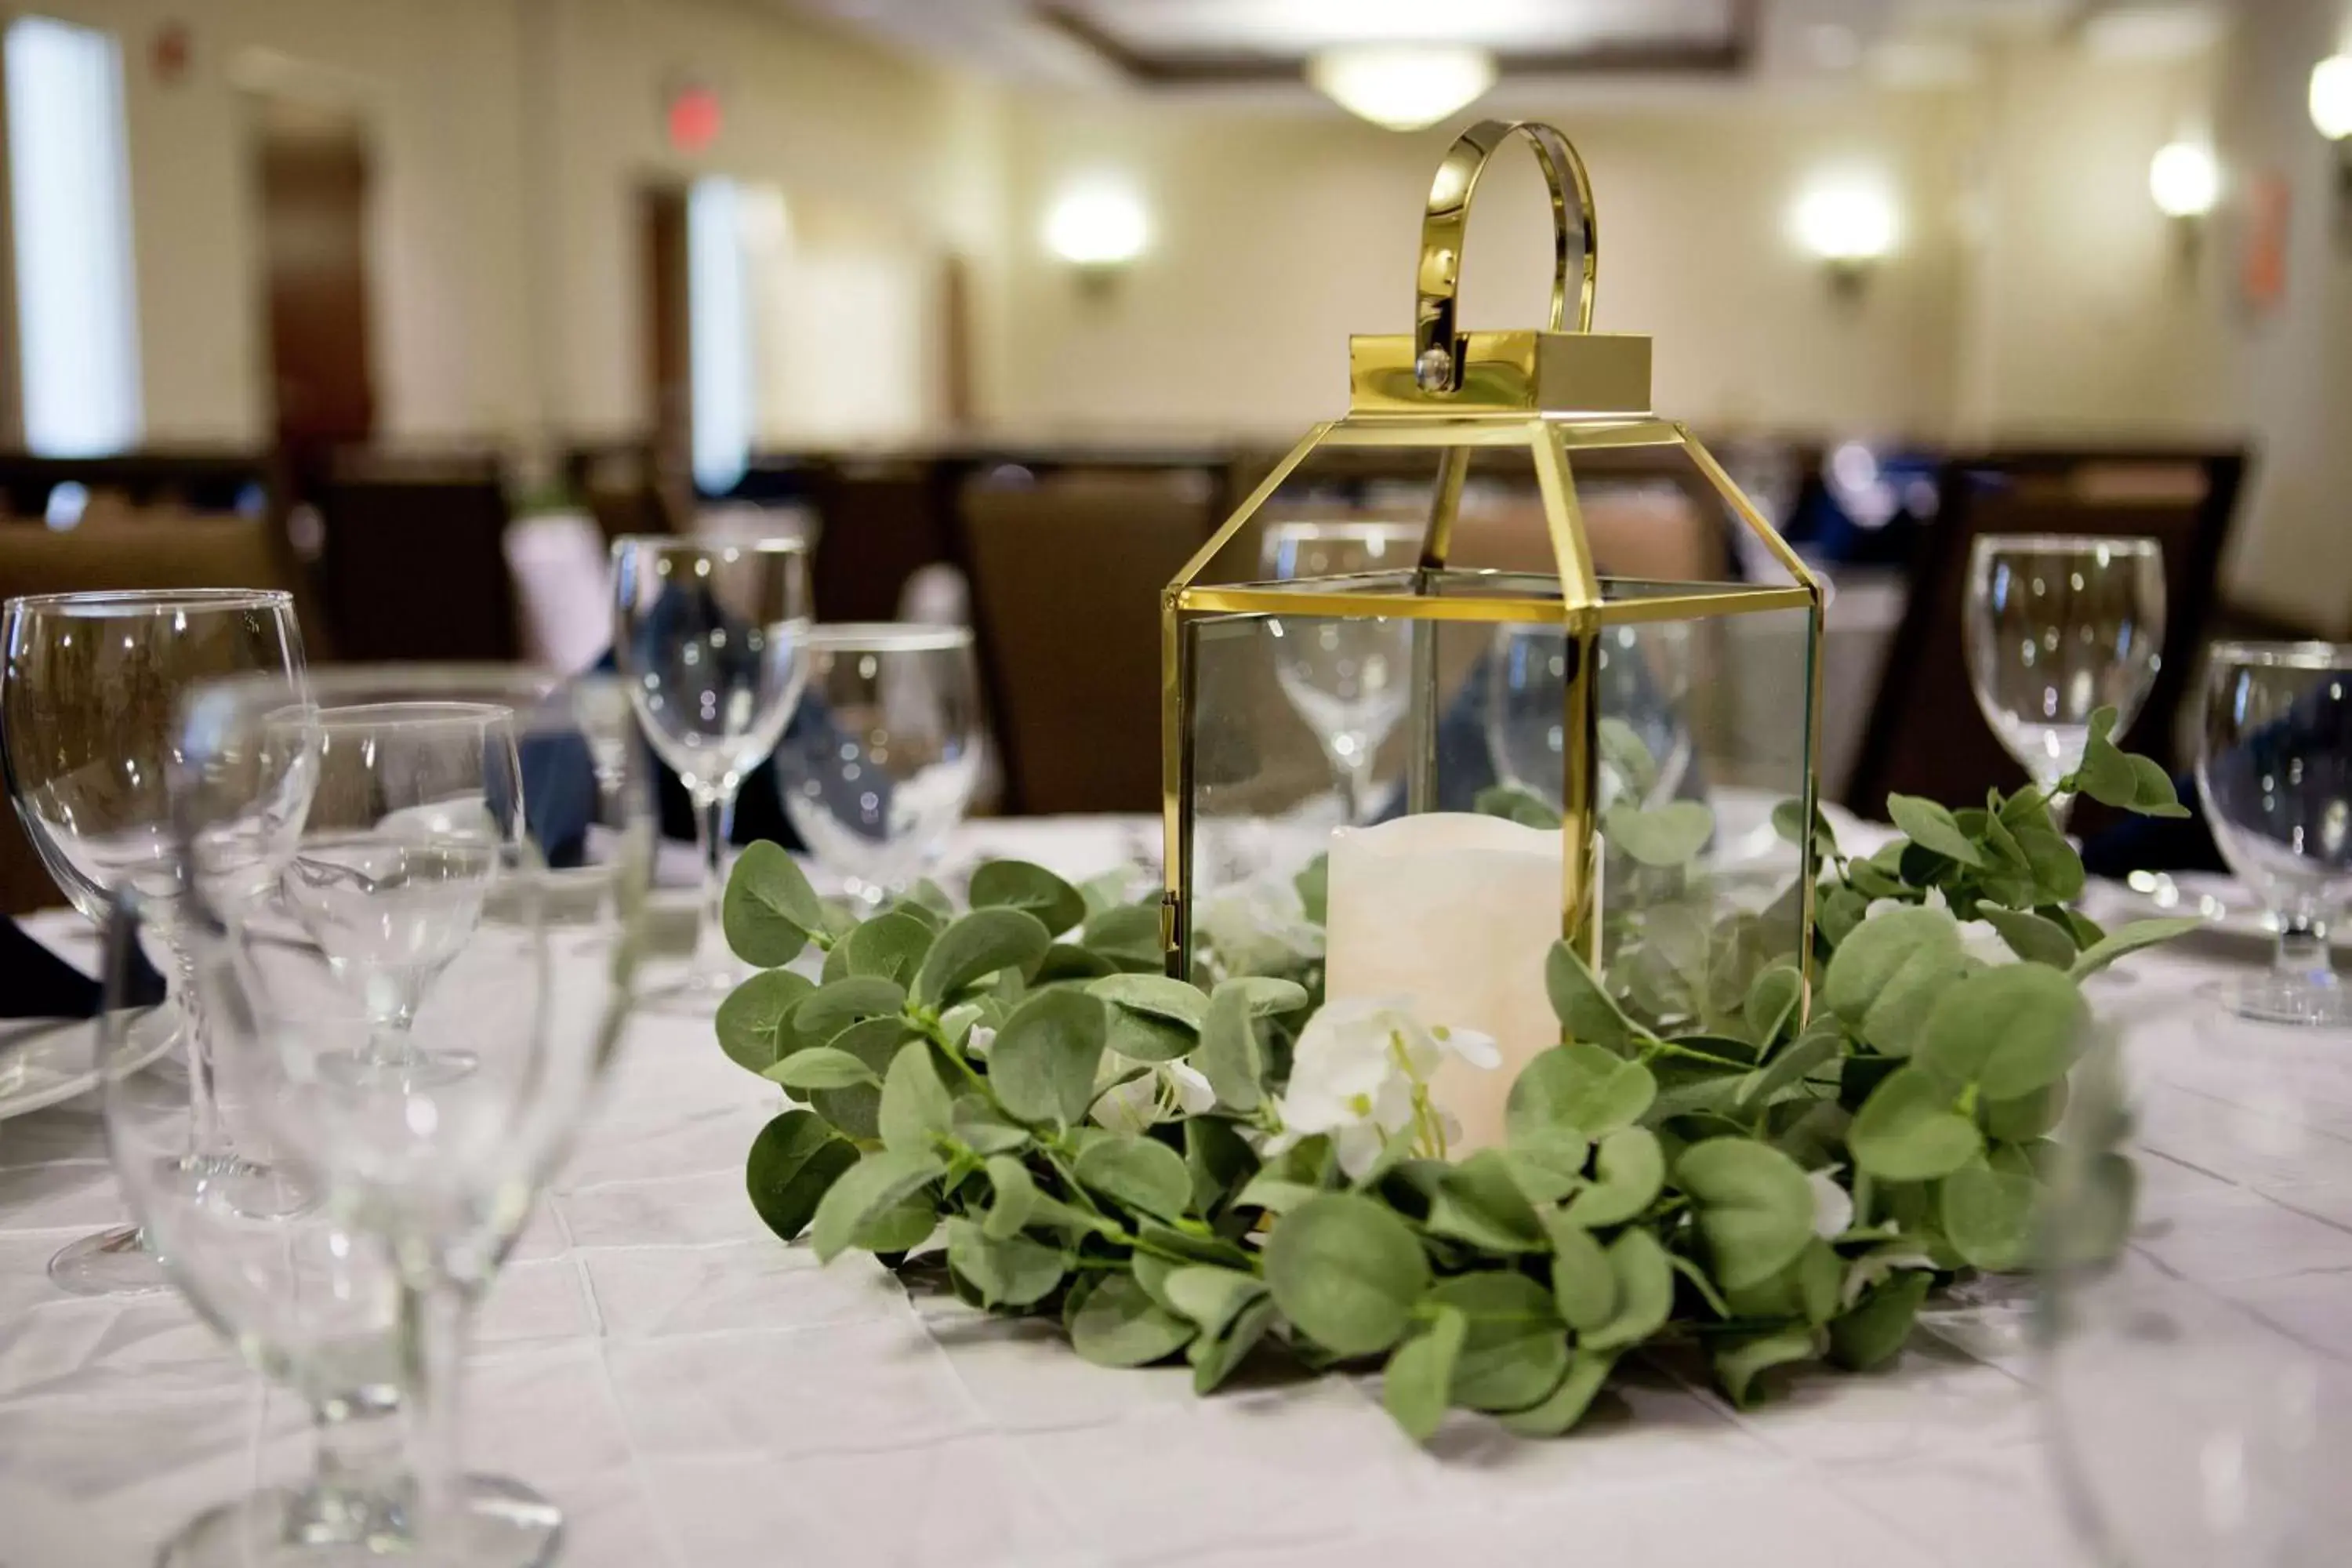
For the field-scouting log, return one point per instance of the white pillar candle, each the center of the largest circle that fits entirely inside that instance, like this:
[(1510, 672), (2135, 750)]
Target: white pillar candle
[(1453, 913)]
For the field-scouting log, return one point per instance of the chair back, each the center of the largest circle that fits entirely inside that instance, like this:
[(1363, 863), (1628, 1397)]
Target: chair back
[(414, 565), (1066, 573), (183, 552), (1925, 734)]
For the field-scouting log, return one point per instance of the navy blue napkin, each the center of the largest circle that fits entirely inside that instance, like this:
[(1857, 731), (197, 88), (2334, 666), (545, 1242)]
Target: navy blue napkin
[(36, 984)]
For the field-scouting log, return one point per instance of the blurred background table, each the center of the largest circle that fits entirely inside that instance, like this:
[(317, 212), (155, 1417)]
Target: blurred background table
[(693, 1392)]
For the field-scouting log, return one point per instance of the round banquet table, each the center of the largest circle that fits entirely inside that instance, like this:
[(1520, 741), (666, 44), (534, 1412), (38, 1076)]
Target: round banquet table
[(692, 1391)]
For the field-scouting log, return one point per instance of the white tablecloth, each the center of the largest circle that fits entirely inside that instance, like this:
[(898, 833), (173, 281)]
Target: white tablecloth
[(692, 1391)]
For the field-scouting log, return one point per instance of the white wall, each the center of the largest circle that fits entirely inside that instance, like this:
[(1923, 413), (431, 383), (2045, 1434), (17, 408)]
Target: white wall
[(1278, 234)]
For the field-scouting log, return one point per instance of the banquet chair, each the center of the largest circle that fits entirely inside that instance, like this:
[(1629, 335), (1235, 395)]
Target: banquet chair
[(1926, 735), (414, 565), (187, 551), (1066, 573), (563, 588)]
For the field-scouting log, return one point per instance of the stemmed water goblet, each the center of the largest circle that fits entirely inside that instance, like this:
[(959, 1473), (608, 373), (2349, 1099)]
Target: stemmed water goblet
[(708, 637), (2274, 775), (420, 1181), (2058, 627), (87, 734), (882, 765), (1642, 677), (1349, 678)]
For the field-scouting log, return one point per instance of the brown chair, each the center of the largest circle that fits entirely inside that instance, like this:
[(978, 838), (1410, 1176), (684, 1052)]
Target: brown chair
[(1926, 735), (185, 553), (1066, 573), (414, 565)]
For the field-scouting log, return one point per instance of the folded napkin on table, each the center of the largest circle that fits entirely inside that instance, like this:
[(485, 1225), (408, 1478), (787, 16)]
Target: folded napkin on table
[(36, 984)]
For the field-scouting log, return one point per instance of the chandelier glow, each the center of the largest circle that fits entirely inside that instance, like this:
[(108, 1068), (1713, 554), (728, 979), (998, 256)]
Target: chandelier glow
[(1403, 86)]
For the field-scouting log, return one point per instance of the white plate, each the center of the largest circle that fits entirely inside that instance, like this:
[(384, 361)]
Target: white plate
[(45, 1060), (2227, 904)]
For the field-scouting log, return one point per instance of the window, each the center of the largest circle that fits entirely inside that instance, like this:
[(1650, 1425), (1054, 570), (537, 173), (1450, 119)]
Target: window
[(77, 305)]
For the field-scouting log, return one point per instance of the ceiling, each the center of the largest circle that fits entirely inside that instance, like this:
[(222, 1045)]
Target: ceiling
[(1259, 45)]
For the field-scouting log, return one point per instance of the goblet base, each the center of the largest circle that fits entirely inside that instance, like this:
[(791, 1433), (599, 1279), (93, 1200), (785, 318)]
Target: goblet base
[(407, 1066), (2273, 999), (504, 1524), (115, 1262)]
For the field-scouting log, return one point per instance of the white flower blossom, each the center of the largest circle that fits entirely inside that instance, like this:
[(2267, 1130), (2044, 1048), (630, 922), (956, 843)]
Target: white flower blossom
[(1259, 926), (1979, 939), (1360, 1073), (1832, 1205), (977, 1042), (1158, 1092)]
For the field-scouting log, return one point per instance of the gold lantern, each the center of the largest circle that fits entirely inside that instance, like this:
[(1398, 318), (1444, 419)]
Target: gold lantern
[(1641, 659)]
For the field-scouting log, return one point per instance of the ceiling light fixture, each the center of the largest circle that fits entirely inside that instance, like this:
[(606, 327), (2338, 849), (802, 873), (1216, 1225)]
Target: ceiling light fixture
[(1402, 86)]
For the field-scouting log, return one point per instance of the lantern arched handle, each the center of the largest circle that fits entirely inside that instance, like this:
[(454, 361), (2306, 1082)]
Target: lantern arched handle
[(1437, 346)]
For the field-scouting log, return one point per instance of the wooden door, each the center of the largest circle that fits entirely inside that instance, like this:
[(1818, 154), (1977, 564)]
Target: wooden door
[(313, 183), (667, 352)]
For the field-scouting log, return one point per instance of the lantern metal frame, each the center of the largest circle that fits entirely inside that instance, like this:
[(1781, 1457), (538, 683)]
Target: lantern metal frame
[(1551, 394)]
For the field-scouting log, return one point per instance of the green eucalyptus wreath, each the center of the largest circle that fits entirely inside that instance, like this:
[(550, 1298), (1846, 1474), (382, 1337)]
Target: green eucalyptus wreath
[(1703, 1162)]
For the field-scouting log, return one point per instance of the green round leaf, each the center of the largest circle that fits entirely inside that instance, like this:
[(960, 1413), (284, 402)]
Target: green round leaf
[(822, 1067), (1754, 1207), (1015, 1196), (2037, 939), (1139, 1172), (1740, 1362), (978, 944), (1479, 1202), (1931, 827), (1346, 1272), (1628, 1173), (1585, 1088), (1645, 1293), (1143, 1038), (1988, 1216), (1580, 1003), (769, 908), (855, 1108), (890, 946), (1043, 1062), (829, 1009), (1566, 1405), (754, 1022), (2131, 939), (2010, 1030), (1008, 1271), (1908, 1131), (1117, 1323), (794, 1159), (1668, 835), (1018, 885), (914, 1109), (1229, 1056), (1887, 974), (1772, 1003), (1516, 1351), (1156, 996), (1869, 1333), (879, 1182), (1583, 1286), (1417, 1384), (1211, 1296)]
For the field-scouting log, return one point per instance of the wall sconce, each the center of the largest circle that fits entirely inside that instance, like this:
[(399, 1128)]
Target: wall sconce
[(1850, 227), (2185, 180), (2331, 113), (1098, 229)]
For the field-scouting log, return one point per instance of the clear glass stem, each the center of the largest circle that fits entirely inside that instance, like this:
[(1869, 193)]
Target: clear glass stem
[(430, 1345), (359, 1489), (1354, 772), (205, 1144), (2301, 959), (714, 825)]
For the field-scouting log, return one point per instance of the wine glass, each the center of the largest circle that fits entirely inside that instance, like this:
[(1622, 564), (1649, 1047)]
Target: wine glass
[(882, 765), (398, 851), (1348, 677), (362, 1300), (2199, 1417), (87, 737), (2275, 772), (1642, 677), (708, 637), (2059, 627)]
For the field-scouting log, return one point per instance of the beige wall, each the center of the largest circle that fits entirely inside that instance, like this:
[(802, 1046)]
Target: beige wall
[(509, 138), (1278, 234)]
